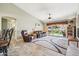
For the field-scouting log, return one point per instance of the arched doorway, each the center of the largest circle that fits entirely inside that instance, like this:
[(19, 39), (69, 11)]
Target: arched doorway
[(8, 23)]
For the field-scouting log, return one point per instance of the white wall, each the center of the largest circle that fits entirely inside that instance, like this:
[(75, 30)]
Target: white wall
[(23, 19), (77, 21)]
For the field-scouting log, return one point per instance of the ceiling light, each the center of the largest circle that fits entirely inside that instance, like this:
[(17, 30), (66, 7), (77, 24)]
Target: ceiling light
[(49, 16)]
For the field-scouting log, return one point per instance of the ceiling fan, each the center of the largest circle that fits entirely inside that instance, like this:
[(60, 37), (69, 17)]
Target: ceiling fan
[(49, 16)]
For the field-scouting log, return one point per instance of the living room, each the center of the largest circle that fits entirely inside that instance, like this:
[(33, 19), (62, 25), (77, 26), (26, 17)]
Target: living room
[(40, 28)]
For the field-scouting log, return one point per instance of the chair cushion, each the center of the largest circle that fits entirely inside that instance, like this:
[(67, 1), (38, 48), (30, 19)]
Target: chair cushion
[(3, 43)]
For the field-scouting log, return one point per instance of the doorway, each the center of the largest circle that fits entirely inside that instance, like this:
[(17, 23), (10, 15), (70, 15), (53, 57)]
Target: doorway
[(57, 30), (8, 23)]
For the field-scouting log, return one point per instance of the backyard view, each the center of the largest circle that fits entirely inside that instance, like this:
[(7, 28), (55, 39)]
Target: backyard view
[(56, 30)]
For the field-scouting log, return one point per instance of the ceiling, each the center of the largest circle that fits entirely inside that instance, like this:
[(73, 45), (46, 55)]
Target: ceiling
[(58, 11)]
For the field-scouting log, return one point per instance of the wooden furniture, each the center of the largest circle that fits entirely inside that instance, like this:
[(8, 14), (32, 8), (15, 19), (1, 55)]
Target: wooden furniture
[(70, 30), (5, 41), (72, 39), (26, 36)]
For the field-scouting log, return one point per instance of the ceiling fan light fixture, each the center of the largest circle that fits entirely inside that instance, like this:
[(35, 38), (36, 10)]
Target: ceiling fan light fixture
[(49, 16)]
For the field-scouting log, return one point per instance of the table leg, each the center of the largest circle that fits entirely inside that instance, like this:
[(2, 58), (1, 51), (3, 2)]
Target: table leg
[(77, 43)]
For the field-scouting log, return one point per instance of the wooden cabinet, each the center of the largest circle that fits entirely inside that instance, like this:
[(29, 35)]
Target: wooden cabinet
[(77, 26), (71, 30)]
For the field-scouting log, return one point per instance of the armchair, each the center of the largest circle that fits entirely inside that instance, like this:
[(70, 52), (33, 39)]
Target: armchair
[(26, 36)]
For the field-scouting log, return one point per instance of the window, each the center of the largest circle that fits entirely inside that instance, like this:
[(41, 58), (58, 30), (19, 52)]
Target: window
[(56, 30)]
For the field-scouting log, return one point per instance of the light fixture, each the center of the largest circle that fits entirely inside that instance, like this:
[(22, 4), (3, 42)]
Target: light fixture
[(49, 16)]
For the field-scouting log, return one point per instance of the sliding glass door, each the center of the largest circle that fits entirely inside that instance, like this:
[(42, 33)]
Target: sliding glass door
[(57, 30)]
